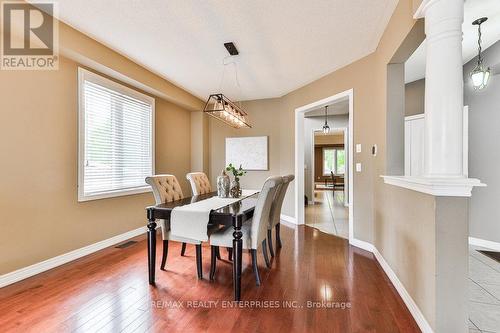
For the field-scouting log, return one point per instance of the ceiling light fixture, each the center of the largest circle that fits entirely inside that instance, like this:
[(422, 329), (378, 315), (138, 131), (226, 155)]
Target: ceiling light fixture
[(326, 128), (480, 75), (221, 107)]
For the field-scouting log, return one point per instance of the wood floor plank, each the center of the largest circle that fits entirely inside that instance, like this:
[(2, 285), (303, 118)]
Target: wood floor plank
[(108, 291)]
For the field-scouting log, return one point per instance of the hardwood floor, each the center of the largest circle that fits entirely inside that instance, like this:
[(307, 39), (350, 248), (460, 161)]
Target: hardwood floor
[(109, 292)]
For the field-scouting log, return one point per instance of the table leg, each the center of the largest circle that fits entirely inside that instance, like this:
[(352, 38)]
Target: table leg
[(151, 247), (237, 258)]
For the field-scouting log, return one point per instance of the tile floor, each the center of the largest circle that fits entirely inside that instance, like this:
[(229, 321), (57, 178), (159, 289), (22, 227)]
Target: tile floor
[(329, 214), (484, 293)]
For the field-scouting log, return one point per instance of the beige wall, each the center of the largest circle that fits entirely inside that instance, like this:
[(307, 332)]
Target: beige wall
[(415, 97), (405, 235), (265, 120), (200, 157)]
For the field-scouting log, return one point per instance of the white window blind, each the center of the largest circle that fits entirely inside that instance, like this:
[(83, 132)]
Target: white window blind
[(116, 148)]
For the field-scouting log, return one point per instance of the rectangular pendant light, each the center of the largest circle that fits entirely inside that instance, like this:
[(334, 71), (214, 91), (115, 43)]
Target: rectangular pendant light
[(222, 108)]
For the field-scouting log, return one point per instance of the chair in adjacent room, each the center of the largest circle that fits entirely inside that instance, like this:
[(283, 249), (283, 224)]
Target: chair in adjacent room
[(274, 221), (166, 188), (254, 231)]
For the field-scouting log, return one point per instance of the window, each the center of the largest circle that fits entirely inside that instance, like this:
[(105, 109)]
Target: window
[(116, 138), (333, 161), (340, 162)]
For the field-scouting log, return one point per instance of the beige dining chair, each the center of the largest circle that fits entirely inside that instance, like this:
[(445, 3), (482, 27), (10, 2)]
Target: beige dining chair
[(199, 183), (274, 220), (166, 188), (254, 230)]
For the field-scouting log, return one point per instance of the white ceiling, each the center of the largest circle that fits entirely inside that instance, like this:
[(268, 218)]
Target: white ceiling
[(339, 107), (283, 44), (473, 9)]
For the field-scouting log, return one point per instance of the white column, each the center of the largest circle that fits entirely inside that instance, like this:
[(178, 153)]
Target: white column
[(443, 88)]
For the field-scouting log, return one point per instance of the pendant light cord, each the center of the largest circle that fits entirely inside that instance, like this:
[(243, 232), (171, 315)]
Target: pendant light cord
[(479, 49), (326, 115), (233, 62)]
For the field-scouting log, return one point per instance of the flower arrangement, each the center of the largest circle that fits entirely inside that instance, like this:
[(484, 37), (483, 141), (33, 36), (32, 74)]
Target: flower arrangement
[(237, 173)]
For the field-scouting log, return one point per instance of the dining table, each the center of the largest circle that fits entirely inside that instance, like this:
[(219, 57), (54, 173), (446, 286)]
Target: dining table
[(232, 215)]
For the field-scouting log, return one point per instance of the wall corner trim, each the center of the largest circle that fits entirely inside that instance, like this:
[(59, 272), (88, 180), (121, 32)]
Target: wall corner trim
[(400, 288), (26, 272), (361, 244), (288, 220), (484, 243)]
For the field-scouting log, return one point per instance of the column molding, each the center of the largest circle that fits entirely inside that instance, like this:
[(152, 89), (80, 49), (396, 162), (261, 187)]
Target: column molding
[(444, 173)]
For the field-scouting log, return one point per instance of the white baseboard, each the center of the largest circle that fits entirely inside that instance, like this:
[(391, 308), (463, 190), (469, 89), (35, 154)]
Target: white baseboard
[(62, 259), (403, 293), (484, 243), (410, 303), (361, 244), (288, 220)]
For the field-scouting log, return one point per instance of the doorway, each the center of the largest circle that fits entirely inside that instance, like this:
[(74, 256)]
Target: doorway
[(327, 209), (305, 181)]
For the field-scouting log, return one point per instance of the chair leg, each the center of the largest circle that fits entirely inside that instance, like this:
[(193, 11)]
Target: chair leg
[(199, 266), (278, 238), (217, 252), (264, 251), (254, 265), (164, 256), (270, 242), (230, 253), (183, 250), (213, 261)]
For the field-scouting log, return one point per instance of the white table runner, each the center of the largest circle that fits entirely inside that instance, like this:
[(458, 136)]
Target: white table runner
[(191, 221)]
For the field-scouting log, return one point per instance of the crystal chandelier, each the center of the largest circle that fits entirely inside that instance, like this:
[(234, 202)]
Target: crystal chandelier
[(221, 107), (480, 75)]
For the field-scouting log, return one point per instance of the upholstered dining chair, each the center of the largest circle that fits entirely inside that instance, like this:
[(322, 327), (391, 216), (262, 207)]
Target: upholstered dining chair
[(254, 231), (166, 188), (274, 220), (199, 183)]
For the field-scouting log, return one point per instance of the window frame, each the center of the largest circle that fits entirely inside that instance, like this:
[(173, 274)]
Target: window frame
[(334, 160), (335, 166), (86, 75)]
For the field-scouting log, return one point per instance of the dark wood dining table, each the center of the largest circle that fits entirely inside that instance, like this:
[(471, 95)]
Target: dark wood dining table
[(233, 215)]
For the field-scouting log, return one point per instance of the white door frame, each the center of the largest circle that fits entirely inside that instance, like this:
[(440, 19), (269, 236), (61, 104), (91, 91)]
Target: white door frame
[(299, 155), (313, 164)]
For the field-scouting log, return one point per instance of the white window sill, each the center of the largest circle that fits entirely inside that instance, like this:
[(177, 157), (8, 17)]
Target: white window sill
[(113, 194), (441, 187)]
